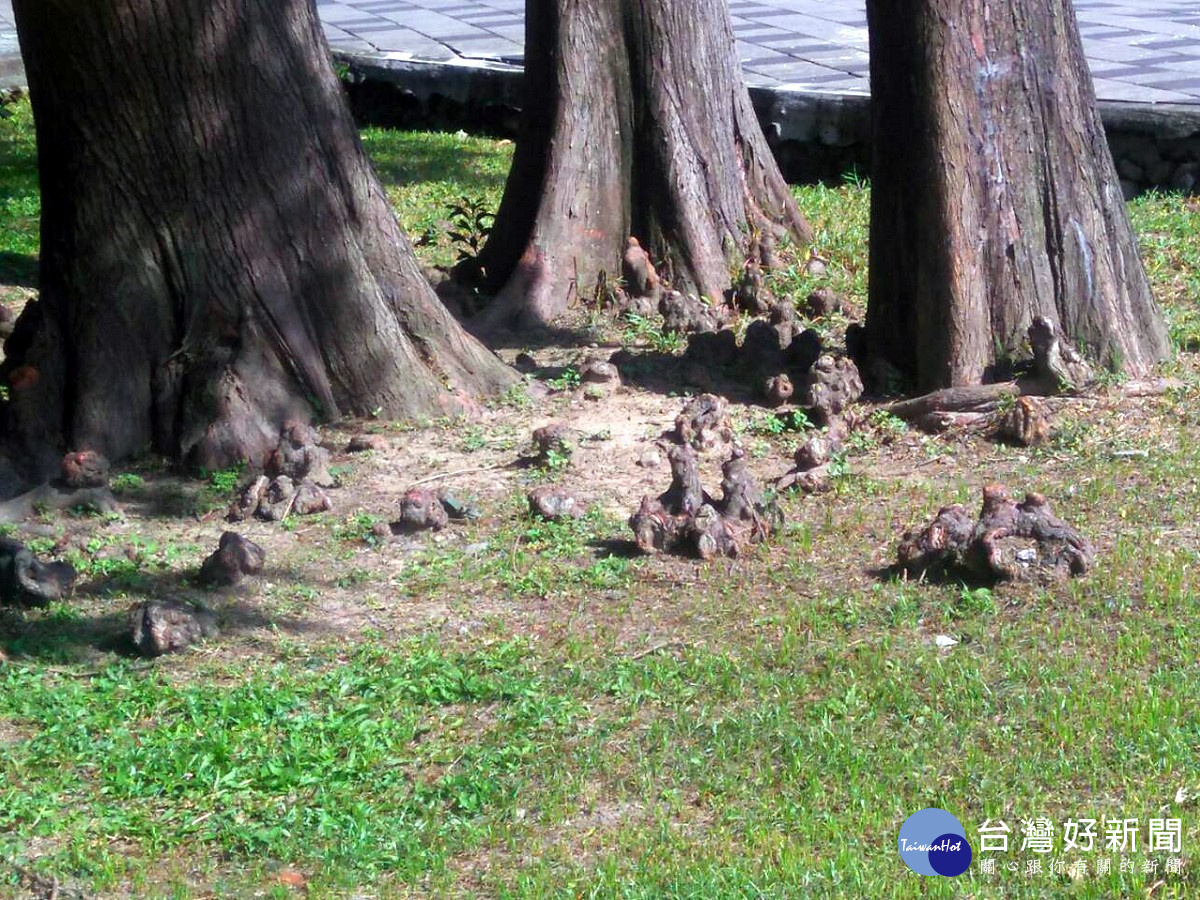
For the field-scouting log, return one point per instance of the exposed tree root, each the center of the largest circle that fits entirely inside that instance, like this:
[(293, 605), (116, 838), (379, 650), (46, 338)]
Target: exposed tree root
[(299, 457), (685, 519), (1008, 542), (554, 504), (555, 444), (27, 581), (421, 509), (703, 423), (813, 459), (234, 559), (54, 496), (1026, 424), (157, 627), (274, 499), (297, 472), (1057, 369)]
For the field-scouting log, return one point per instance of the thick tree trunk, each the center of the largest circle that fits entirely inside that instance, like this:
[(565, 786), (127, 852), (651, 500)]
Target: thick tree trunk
[(217, 254), (994, 197), (636, 121)]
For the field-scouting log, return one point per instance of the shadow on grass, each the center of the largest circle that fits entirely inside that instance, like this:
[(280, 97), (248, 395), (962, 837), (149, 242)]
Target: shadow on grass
[(619, 548), (940, 576), (171, 497), (666, 373), (18, 269), (61, 634), (412, 157), (531, 339), (376, 103), (420, 162)]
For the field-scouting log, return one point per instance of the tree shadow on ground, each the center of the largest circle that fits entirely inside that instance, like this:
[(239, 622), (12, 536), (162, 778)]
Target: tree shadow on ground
[(376, 103), (667, 373), (172, 496), (18, 269), (618, 548), (62, 634), (530, 339), (942, 576), (424, 161)]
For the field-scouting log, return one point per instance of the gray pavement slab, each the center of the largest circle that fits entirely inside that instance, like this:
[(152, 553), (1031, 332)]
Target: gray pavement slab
[(1144, 51), (1139, 50)]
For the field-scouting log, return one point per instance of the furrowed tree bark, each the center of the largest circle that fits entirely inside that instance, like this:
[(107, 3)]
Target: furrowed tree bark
[(994, 196), (217, 254), (636, 121)]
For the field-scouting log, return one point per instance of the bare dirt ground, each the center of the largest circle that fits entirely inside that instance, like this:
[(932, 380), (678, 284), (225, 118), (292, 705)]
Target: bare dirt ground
[(329, 578), (310, 588)]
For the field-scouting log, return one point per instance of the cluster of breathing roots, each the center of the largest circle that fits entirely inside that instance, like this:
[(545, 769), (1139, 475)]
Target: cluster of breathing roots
[(1006, 541), (685, 518)]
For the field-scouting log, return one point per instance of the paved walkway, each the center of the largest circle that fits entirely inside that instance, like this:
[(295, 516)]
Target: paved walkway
[(12, 73), (1146, 51)]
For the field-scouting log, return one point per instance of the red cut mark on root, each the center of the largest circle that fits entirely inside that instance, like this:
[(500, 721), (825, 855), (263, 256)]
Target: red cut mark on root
[(977, 43), (22, 378)]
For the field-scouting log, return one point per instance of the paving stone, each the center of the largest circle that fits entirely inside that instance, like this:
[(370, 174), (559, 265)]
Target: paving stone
[(1139, 50)]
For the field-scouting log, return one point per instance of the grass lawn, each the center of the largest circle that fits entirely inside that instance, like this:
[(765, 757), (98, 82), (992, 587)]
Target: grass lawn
[(511, 708)]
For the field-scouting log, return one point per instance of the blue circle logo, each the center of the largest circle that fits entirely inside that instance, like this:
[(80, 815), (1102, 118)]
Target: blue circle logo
[(933, 842)]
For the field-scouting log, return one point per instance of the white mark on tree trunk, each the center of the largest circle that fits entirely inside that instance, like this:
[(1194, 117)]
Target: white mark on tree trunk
[(1085, 252), (989, 72)]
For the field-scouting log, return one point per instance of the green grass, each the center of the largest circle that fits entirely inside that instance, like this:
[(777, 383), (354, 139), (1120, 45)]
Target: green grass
[(361, 763), (427, 174), (20, 206), (839, 217), (527, 557), (1166, 229), (614, 726)]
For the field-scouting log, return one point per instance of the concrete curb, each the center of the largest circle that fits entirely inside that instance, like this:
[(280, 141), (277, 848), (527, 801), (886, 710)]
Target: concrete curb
[(815, 136), (12, 68)]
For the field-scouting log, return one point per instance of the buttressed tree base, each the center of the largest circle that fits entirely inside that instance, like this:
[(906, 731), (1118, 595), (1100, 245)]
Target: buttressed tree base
[(994, 196), (636, 121), (217, 254)]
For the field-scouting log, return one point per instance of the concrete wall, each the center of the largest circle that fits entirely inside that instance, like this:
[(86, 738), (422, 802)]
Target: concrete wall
[(816, 137)]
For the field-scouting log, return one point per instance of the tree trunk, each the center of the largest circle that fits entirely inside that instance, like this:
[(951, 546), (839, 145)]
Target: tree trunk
[(636, 121), (994, 196), (217, 254)]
